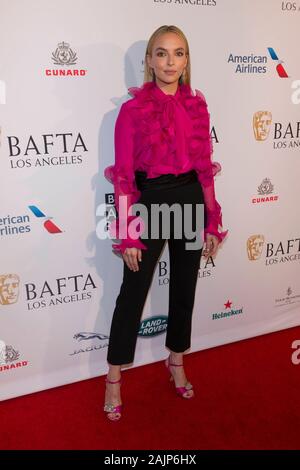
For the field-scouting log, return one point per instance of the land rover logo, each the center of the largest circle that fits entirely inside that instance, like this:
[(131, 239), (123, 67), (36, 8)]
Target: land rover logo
[(153, 326)]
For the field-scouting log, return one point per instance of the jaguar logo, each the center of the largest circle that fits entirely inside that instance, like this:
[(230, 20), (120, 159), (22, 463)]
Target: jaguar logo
[(86, 336)]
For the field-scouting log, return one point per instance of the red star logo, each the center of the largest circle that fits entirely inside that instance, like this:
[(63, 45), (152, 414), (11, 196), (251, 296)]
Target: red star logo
[(228, 304)]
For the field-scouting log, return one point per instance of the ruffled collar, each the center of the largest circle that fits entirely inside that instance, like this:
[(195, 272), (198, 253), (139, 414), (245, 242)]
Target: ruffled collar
[(170, 126), (161, 95)]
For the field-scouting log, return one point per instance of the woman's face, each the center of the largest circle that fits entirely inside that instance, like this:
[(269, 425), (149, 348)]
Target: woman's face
[(168, 58)]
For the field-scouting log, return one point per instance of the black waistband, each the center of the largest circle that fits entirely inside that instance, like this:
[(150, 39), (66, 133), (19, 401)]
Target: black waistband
[(168, 180)]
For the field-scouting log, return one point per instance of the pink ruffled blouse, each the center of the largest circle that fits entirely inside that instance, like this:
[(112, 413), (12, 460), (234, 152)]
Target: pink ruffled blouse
[(161, 133)]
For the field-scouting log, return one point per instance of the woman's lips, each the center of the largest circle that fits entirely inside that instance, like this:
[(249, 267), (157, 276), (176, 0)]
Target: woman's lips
[(170, 72)]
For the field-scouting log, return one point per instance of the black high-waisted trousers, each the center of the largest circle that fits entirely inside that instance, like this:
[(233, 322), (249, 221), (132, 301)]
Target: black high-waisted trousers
[(183, 274)]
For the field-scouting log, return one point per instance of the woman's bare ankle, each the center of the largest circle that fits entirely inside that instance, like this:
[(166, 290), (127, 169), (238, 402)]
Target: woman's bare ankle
[(176, 358), (114, 373)]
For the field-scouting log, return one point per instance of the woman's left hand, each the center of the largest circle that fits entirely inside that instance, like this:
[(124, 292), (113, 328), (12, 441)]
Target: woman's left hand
[(210, 245)]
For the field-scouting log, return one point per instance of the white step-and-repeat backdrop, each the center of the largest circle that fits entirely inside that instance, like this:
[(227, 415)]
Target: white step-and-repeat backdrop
[(65, 67)]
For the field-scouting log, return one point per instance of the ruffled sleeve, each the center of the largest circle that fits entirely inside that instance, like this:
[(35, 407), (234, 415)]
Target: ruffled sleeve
[(206, 170), (122, 176)]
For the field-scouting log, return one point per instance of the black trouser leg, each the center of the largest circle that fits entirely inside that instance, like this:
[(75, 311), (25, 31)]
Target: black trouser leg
[(184, 267), (130, 303)]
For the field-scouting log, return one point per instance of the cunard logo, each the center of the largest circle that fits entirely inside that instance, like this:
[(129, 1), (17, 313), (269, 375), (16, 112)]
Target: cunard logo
[(10, 354), (264, 190), (9, 358), (266, 187), (64, 55)]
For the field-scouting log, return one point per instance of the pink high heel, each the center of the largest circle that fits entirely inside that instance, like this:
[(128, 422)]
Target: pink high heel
[(110, 408), (181, 391)]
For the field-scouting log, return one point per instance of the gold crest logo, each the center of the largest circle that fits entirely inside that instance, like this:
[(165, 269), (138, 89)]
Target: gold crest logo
[(261, 124), (9, 288), (255, 245)]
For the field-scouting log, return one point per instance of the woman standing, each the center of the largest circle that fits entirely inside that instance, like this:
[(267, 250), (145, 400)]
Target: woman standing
[(163, 154)]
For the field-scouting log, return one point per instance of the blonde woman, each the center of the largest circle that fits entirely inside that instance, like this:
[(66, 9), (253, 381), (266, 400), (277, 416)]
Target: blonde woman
[(163, 155)]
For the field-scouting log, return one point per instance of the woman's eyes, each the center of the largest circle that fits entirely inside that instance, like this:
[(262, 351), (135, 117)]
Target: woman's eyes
[(180, 53)]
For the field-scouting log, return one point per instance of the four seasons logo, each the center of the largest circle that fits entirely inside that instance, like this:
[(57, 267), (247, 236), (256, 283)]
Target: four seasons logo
[(288, 298)]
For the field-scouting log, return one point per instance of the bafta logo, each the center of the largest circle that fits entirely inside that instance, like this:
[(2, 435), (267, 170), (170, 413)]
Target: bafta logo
[(254, 246), (261, 124), (9, 288)]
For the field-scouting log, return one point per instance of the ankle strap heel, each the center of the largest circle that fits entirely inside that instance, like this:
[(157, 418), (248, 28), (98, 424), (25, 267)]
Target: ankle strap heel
[(181, 391), (113, 381), (113, 412)]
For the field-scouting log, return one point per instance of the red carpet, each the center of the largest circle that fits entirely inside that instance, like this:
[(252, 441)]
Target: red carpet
[(247, 397)]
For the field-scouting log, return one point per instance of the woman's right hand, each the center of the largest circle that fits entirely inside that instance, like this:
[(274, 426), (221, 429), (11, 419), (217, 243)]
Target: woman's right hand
[(131, 257)]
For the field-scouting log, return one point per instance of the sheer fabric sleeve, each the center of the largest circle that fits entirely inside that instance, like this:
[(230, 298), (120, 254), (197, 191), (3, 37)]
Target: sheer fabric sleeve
[(122, 176), (206, 170)]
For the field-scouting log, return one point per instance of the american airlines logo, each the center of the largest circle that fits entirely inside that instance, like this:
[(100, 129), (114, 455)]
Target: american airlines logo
[(48, 224), (279, 67)]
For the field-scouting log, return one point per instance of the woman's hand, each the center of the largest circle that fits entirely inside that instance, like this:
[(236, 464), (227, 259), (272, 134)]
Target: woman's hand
[(210, 246), (131, 257)]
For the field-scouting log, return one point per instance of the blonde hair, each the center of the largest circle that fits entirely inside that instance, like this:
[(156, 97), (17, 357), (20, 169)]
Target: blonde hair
[(149, 74)]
